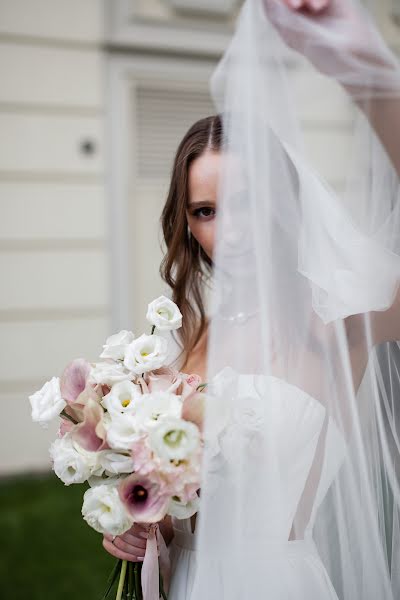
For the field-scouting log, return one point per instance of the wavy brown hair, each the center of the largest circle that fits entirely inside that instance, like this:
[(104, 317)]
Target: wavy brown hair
[(185, 266)]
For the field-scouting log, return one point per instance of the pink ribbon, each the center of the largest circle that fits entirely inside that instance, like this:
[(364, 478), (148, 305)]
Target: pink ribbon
[(152, 564)]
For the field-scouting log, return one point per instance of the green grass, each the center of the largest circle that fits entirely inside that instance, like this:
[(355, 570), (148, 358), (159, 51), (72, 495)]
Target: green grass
[(47, 550)]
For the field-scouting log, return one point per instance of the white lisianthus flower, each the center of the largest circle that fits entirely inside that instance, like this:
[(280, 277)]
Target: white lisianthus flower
[(95, 480), (156, 405), (164, 314), (71, 463), (174, 439), (122, 431), (47, 402), (146, 353), (116, 344), (114, 463), (181, 510), (109, 373), (103, 510), (122, 398)]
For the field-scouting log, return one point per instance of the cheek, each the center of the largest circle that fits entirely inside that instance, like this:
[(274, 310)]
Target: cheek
[(204, 233)]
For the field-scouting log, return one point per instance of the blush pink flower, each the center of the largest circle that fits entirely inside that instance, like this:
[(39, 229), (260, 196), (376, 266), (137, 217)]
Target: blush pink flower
[(193, 380), (143, 457), (76, 388), (73, 380), (183, 479), (65, 427), (91, 433), (145, 497), (165, 379), (188, 385)]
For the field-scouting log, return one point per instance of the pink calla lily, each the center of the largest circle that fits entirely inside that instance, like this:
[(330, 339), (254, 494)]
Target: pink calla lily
[(145, 497), (76, 409), (65, 427), (73, 380), (91, 433)]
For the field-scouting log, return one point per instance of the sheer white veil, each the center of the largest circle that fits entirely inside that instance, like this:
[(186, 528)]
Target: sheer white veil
[(302, 420)]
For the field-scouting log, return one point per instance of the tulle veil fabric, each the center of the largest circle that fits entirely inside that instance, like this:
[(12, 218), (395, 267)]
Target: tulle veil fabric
[(302, 418)]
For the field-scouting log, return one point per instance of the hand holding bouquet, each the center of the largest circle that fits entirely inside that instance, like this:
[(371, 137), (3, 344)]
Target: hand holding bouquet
[(130, 426)]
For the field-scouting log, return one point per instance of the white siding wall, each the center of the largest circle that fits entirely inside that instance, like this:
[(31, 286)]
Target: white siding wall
[(54, 255)]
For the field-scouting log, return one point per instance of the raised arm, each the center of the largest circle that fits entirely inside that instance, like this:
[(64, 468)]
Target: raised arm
[(341, 41), (384, 116)]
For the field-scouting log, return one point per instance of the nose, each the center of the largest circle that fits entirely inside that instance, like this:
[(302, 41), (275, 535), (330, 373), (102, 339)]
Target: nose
[(233, 229), (234, 237)]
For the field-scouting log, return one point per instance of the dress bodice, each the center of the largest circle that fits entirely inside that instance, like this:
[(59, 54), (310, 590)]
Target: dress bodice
[(276, 431)]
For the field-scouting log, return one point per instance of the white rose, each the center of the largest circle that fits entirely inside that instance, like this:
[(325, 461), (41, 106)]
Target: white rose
[(116, 344), (114, 463), (164, 314), (122, 431), (108, 373), (174, 439), (104, 511), (156, 405), (70, 464), (122, 398), (146, 353), (47, 403), (180, 510)]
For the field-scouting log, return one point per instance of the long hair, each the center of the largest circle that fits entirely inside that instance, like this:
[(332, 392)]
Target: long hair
[(185, 266)]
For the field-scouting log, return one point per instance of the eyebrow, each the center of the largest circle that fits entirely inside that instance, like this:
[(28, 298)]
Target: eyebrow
[(199, 203)]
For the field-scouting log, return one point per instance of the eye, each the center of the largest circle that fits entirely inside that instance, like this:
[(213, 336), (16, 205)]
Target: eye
[(205, 213)]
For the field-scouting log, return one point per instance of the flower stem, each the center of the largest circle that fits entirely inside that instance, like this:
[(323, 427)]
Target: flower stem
[(130, 581), (67, 416), (161, 585), (121, 580), (201, 387), (138, 584)]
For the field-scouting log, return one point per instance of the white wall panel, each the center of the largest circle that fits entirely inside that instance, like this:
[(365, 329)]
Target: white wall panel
[(51, 211), (53, 279), (24, 445), (50, 76), (54, 251), (37, 143), (40, 349), (73, 20)]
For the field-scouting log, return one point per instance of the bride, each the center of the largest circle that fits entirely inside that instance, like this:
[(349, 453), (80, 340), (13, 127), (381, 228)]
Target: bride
[(300, 496)]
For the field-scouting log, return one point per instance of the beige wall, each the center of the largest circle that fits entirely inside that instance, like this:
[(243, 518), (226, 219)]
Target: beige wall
[(54, 258)]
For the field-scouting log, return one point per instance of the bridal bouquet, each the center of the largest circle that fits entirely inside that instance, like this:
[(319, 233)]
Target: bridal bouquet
[(130, 426)]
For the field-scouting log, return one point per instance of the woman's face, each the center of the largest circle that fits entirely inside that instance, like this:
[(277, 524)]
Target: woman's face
[(204, 174)]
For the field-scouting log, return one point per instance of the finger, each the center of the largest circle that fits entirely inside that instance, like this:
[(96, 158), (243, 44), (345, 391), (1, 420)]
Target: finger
[(317, 5), (133, 540), (296, 4), (117, 553), (130, 548), (133, 545)]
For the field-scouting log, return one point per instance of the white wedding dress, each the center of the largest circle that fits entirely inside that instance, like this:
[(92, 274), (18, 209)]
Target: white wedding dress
[(302, 574)]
